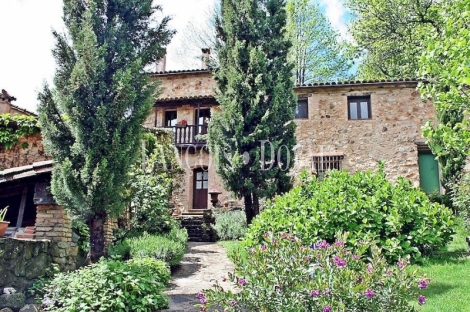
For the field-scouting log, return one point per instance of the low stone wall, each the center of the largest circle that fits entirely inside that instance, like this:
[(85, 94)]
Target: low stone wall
[(22, 261)]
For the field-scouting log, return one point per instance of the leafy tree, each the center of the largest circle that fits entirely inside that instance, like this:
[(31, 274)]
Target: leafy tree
[(253, 135), (446, 67), (92, 120), (390, 35), (316, 52)]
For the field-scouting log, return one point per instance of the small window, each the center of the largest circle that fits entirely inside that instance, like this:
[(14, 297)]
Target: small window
[(326, 161), (359, 107), (170, 119), (301, 111)]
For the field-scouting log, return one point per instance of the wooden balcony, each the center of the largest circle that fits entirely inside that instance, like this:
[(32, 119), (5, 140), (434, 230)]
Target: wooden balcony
[(186, 136)]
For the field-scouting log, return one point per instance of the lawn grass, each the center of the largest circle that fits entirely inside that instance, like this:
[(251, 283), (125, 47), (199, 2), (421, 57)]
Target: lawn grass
[(448, 269)]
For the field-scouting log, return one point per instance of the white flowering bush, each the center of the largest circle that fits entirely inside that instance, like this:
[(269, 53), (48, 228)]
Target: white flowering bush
[(283, 274)]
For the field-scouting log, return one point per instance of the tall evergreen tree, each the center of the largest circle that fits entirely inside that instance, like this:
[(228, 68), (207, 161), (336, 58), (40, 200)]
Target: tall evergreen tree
[(92, 120), (253, 135)]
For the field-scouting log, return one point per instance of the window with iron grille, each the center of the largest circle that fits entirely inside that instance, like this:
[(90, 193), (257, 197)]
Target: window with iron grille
[(327, 161), (359, 107)]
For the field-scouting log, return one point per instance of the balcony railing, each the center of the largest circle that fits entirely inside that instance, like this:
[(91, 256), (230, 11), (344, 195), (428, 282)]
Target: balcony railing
[(186, 136)]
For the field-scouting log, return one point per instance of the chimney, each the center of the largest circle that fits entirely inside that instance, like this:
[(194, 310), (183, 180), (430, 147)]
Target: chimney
[(161, 64), (205, 57)]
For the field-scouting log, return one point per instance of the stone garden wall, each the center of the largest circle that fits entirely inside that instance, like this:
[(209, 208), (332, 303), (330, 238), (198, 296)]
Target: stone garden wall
[(22, 261)]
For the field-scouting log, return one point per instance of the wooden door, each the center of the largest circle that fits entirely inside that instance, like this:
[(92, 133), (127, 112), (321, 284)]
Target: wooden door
[(428, 172), (201, 184)]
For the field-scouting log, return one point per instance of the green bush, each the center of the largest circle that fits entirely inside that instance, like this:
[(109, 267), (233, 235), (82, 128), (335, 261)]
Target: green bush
[(230, 225), (461, 198), (284, 274), (120, 251), (109, 285), (169, 247), (399, 218)]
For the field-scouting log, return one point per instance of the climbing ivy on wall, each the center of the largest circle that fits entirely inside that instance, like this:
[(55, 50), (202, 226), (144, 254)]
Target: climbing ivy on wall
[(14, 127)]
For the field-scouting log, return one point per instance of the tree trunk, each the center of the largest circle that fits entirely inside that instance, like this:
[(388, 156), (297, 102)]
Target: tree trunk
[(97, 241), (248, 208), (255, 205)]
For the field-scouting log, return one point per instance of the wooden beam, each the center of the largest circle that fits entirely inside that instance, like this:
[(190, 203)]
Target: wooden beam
[(22, 205)]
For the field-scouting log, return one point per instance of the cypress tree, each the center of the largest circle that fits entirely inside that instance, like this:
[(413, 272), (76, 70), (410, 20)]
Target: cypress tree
[(92, 120), (253, 134)]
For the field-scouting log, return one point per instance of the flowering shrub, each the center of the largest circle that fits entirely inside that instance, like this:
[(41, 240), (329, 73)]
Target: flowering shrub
[(283, 274), (398, 217)]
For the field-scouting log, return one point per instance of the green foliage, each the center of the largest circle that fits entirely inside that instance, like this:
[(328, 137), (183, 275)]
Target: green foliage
[(445, 65), (110, 285), (390, 35), (152, 181), (285, 274), (14, 127), (399, 218), (92, 120), (120, 251), (83, 232), (230, 225), (3, 213), (168, 247), (461, 197), (252, 136), (316, 52), (37, 289)]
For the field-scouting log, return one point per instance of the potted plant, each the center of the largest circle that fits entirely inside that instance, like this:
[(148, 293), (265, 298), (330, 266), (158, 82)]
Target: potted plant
[(3, 224), (214, 193), (183, 123)]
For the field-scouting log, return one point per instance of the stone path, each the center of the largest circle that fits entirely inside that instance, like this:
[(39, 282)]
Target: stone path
[(202, 264)]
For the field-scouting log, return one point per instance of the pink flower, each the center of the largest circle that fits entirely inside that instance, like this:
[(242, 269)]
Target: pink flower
[(355, 257), (315, 293), (369, 293), (263, 248), (339, 262), (423, 283), (241, 281), (369, 268), (339, 244), (400, 264), (327, 308), (421, 300)]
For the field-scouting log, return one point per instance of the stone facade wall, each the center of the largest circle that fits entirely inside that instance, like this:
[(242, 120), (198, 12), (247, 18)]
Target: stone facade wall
[(19, 156), (22, 261), (390, 135), (52, 223), (183, 85)]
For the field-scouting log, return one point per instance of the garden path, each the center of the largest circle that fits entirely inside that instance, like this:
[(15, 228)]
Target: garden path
[(202, 264)]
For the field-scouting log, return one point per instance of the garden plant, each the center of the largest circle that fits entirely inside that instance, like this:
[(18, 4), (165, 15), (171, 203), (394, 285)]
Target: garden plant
[(398, 217), (285, 274)]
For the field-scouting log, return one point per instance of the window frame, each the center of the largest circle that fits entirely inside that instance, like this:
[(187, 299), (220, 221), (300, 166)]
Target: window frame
[(303, 100), (359, 99), (165, 121)]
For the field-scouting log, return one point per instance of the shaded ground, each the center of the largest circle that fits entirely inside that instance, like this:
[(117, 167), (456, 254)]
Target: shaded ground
[(203, 263)]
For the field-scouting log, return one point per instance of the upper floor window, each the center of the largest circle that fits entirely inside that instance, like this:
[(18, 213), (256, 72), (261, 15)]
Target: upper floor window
[(301, 111), (359, 107), (171, 119)]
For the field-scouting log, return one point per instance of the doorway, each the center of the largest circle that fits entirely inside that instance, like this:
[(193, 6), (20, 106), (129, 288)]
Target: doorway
[(200, 188), (428, 172)]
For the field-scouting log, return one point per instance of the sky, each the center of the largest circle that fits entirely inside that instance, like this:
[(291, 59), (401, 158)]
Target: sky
[(26, 61)]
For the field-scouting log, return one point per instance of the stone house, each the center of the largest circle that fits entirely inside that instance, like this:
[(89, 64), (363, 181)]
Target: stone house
[(349, 125)]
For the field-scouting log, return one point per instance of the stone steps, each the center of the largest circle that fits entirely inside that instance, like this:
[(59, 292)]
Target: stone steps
[(196, 231)]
